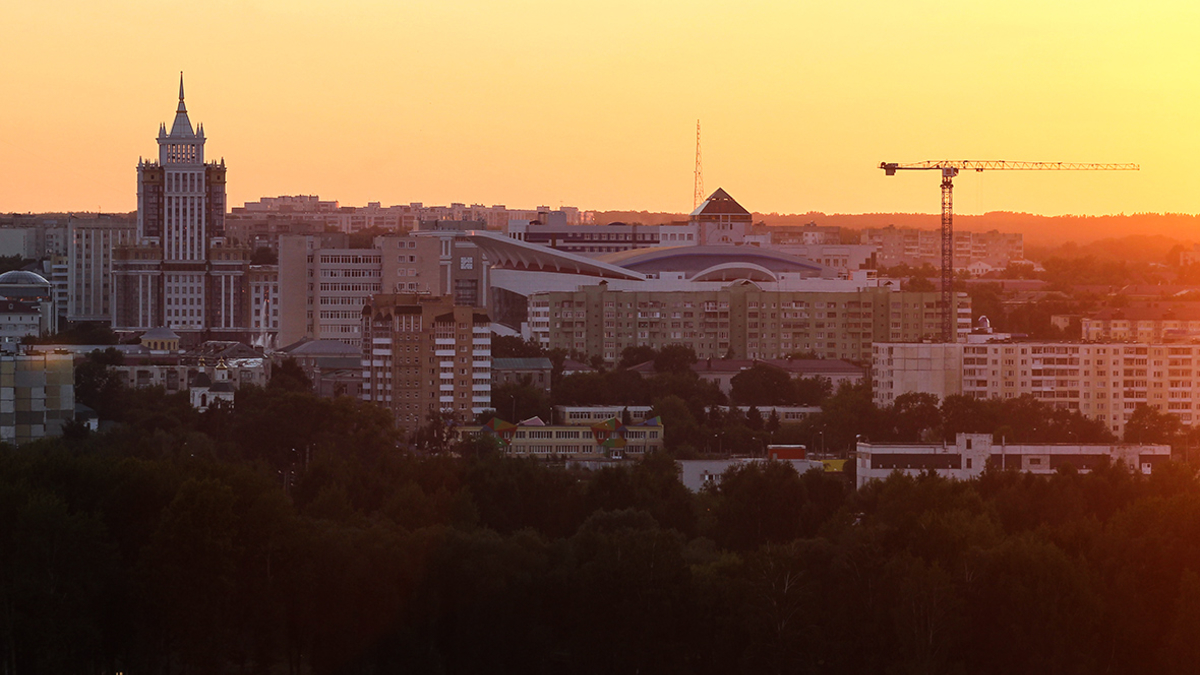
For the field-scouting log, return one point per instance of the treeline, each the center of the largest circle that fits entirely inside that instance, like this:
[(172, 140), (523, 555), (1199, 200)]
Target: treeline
[(148, 549)]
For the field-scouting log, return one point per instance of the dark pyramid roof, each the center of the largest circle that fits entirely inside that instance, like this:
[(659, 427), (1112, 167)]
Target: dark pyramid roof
[(202, 380), (720, 203)]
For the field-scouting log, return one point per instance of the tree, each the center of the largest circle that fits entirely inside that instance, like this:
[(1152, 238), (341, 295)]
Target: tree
[(100, 387), (517, 401), (773, 422), (289, 376), (754, 418), (811, 390), (761, 385), (674, 359), (631, 356), (1148, 425), (913, 414), (919, 284), (437, 433), (510, 346)]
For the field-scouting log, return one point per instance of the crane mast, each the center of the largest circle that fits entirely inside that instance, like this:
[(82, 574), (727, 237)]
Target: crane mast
[(950, 169)]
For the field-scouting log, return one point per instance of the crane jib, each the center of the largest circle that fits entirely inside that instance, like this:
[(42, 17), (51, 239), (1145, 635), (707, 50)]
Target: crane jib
[(950, 169)]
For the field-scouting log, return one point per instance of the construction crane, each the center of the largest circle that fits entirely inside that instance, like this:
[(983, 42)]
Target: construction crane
[(698, 183), (950, 169)]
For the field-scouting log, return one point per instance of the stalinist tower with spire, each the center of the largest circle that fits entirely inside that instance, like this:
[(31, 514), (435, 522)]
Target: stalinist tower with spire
[(181, 274)]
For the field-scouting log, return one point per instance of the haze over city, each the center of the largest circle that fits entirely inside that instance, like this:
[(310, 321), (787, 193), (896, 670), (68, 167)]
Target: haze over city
[(594, 105), (390, 337)]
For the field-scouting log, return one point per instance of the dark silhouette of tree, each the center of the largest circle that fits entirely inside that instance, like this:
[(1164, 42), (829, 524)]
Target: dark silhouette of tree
[(289, 376), (674, 359), (761, 385), (631, 356)]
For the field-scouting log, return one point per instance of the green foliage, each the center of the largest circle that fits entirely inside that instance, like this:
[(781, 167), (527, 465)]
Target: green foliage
[(631, 356), (289, 376), (510, 347), (674, 359), (293, 534), (517, 401), (761, 384), (81, 333)]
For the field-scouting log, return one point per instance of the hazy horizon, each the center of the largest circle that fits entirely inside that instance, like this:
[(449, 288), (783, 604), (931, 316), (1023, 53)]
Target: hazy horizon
[(596, 106)]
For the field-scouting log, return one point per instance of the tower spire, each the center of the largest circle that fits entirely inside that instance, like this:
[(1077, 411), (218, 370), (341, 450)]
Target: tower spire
[(181, 108)]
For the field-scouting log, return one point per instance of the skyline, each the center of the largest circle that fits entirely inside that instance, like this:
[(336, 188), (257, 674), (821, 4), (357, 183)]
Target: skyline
[(542, 103)]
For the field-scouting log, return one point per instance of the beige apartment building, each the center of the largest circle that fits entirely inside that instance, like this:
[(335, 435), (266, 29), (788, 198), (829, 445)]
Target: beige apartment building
[(1165, 322), (1104, 381), (916, 247), (323, 290), (423, 353), (740, 318)]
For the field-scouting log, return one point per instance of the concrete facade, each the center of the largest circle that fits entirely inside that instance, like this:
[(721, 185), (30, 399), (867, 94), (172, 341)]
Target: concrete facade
[(971, 454), (323, 291), (180, 273), (37, 396), (1103, 381), (423, 353), (741, 318)]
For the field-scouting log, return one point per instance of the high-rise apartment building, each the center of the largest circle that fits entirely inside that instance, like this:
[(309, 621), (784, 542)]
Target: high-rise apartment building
[(180, 273), (916, 247), (423, 353), (90, 245), (323, 290), (741, 318), (1104, 381)]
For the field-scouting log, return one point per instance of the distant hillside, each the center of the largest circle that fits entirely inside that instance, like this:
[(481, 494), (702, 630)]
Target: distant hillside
[(1043, 231)]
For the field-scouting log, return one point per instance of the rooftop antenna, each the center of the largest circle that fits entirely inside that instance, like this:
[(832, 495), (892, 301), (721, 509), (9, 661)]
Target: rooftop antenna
[(698, 187)]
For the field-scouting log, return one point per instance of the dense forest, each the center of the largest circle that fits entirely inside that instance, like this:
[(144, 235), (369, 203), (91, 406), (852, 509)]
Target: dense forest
[(294, 534)]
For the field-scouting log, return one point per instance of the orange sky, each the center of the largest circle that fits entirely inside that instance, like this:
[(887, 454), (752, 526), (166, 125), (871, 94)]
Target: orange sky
[(529, 102)]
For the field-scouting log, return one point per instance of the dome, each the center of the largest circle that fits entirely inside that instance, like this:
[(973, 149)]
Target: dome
[(160, 333), (23, 278)]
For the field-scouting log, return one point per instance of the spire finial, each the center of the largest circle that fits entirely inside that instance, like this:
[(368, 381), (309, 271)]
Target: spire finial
[(181, 108)]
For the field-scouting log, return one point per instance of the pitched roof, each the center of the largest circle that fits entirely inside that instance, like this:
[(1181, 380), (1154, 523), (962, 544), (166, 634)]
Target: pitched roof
[(720, 203), (529, 363)]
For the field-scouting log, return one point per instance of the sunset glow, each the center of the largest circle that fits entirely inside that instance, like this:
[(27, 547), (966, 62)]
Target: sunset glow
[(594, 105)]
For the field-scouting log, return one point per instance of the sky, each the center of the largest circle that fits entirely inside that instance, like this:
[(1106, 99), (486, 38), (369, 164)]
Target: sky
[(594, 104)]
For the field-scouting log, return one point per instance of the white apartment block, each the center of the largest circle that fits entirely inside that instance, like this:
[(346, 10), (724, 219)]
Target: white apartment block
[(1104, 381)]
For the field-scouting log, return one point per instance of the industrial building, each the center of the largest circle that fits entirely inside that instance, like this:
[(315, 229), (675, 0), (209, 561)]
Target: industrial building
[(971, 454)]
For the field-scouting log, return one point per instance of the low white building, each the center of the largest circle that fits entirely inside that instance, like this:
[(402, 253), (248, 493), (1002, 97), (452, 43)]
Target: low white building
[(696, 474), (972, 453)]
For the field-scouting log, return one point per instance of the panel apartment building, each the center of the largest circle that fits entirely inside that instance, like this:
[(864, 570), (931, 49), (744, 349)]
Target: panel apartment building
[(323, 290), (424, 353), (1105, 382), (90, 245), (917, 247), (741, 318)]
